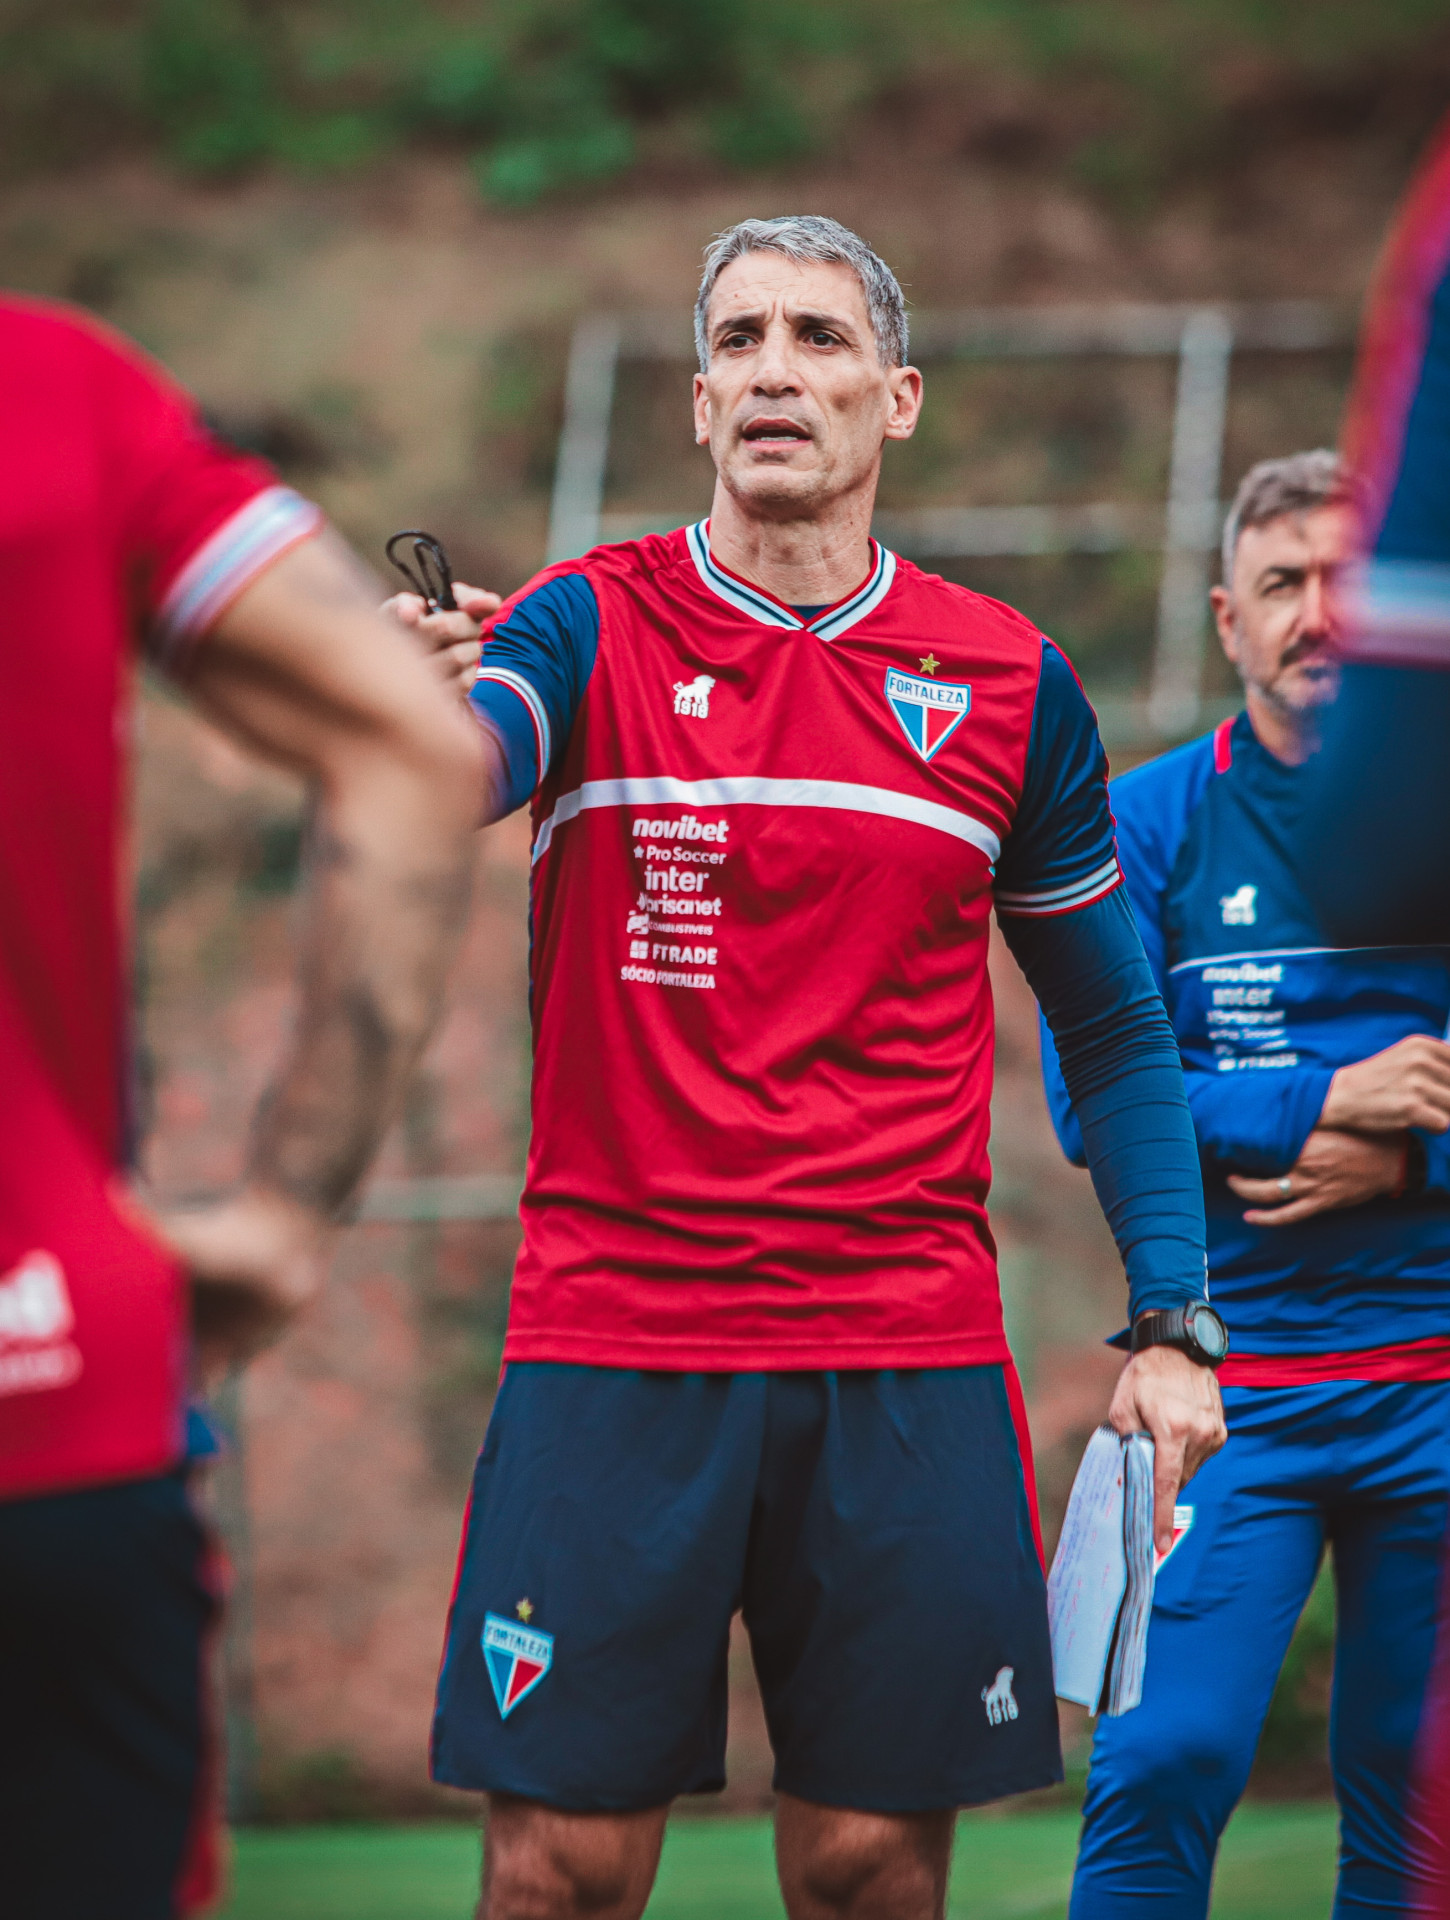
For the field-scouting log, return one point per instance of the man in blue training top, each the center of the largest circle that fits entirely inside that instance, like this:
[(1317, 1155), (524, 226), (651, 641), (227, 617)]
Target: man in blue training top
[(1319, 1085)]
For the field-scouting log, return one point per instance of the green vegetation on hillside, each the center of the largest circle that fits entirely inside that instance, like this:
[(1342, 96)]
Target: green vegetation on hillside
[(550, 94)]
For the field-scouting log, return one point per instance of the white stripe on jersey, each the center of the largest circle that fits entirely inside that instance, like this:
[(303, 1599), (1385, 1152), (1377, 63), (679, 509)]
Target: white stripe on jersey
[(753, 790), (516, 683), (829, 625), (1077, 893), (1270, 953), (240, 549)]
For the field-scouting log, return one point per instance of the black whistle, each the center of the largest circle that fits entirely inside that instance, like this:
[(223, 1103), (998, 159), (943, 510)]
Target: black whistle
[(433, 581)]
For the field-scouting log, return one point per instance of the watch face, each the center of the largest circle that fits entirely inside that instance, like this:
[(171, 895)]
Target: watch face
[(1209, 1331)]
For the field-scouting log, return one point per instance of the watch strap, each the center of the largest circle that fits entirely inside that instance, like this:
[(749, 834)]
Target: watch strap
[(1170, 1327)]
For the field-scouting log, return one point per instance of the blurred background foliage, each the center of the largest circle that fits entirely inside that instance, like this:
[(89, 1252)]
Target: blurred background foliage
[(543, 96), (1293, 1755)]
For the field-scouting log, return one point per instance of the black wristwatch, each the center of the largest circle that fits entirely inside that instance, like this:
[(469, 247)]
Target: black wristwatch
[(1195, 1330)]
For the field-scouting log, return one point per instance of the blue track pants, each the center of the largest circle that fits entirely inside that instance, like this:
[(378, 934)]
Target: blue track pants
[(1365, 1467)]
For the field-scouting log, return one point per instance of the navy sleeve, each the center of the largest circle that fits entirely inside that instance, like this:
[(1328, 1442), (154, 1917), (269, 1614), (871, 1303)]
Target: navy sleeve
[(1258, 1127), (1121, 1073), (1150, 817), (1059, 1100), (1152, 806), (1066, 717), (537, 660), (1256, 1123), (1060, 853)]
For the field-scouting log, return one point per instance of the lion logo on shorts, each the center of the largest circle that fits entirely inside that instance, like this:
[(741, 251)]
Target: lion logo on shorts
[(1000, 1703)]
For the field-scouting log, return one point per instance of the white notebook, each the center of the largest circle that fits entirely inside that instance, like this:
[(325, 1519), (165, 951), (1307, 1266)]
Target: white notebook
[(1100, 1590)]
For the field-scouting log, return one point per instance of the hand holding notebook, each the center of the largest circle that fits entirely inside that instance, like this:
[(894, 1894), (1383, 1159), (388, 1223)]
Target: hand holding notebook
[(1100, 1590)]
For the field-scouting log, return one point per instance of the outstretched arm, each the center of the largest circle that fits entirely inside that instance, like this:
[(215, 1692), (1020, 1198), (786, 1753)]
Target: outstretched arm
[(450, 642), (301, 668)]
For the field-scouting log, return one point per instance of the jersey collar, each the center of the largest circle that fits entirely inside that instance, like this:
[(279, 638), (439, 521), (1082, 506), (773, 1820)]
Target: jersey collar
[(770, 612)]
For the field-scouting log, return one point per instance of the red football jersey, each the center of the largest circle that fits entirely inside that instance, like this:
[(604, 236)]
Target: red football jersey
[(765, 855), (117, 511)]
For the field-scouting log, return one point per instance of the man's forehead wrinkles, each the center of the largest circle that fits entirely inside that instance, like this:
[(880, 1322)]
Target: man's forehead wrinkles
[(757, 313)]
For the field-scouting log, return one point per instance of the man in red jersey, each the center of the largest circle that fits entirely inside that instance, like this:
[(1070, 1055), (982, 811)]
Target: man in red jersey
[(120, 516), (755, 1359)]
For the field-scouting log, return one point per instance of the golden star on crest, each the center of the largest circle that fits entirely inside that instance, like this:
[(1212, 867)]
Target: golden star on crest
[(930, 663), (525, 1611)]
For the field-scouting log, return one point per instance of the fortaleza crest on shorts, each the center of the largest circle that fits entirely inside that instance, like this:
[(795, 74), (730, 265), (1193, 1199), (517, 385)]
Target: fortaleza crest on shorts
[(930, 711), (517, 1659)]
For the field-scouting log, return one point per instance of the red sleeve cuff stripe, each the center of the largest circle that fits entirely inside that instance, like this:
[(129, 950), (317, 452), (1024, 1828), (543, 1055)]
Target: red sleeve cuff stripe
[(229, 560), (1078, 893)]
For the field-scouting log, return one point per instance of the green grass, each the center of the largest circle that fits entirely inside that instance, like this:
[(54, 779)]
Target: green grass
[(1277, 1864)]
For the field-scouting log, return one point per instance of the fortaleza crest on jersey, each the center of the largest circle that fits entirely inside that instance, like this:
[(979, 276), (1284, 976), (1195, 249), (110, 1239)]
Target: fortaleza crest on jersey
[(517, 1659), (930, 711)]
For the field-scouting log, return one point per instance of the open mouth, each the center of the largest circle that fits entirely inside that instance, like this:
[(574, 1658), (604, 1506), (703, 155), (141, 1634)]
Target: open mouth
[(775, 432)]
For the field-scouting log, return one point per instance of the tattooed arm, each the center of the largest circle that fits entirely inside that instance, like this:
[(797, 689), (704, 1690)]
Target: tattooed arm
[(302, 669)]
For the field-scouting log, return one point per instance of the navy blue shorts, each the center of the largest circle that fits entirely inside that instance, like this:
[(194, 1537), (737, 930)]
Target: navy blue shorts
[(106, 1605), (872, 1527)]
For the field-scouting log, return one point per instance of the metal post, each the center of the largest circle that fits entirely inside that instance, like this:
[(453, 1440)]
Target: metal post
[(1198, 426), (1202, 337), (584, 441)]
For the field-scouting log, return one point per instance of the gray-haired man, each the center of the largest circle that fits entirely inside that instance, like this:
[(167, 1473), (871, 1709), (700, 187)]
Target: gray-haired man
[(779, 779), (1319, 1083)]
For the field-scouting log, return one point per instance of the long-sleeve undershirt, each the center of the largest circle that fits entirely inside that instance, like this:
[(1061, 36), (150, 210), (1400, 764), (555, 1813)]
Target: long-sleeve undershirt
[(1120, 1062)]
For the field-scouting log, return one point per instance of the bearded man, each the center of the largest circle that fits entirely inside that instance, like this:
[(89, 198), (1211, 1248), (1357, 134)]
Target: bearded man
[(1319, 1082)]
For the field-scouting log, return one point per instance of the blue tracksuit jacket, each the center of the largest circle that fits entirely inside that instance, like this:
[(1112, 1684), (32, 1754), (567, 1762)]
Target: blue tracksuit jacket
[(1265, 1012)]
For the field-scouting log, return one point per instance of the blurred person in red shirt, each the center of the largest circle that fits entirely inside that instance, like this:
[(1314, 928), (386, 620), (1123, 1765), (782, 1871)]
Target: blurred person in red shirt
[(1374, 843), (123, 520)]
